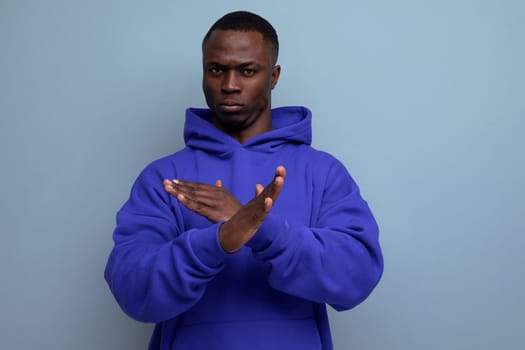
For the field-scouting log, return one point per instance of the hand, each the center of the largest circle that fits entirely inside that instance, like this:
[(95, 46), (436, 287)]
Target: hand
[(213, 202), (238, 230)]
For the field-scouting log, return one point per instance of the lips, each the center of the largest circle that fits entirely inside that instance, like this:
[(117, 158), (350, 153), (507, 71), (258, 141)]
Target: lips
[(230, 106)]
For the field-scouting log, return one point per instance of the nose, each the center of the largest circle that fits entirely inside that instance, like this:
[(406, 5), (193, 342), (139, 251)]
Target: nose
[(230, 82)]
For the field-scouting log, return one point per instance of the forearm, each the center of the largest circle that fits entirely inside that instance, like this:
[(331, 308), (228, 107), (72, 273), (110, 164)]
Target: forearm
[(155, 281), (339, 265)]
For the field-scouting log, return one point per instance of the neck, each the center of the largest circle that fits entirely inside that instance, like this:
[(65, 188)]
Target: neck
[(244, 132)]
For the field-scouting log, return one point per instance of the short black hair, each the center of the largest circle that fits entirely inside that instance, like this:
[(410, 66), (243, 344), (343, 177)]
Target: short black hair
[(244, 21)]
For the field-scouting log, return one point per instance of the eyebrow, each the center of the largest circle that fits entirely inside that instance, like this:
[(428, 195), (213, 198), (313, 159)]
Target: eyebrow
[(246, 64), (242, 65)]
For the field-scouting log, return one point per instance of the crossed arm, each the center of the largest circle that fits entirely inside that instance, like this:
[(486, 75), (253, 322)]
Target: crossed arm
[(217, 204), (336, 261)]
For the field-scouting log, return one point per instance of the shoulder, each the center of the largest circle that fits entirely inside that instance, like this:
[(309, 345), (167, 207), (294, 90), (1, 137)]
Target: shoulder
[(328, 169), (164, 167), (322, 160)]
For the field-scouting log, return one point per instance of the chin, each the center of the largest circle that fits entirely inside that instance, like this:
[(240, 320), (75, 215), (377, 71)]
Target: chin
[(233, 121)]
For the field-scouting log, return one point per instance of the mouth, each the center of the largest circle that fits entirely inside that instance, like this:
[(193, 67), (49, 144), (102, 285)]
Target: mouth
[(230, 107)]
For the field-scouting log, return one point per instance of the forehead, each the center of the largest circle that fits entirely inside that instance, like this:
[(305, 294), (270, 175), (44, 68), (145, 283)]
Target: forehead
[(225, 46)]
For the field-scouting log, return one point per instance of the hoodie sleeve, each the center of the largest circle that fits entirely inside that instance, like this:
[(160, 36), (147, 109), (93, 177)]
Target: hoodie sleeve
[(338, 260), (157, 270)]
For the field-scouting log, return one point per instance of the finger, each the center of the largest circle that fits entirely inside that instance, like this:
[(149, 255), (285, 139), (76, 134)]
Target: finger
[(184, 192), (196, 187), (273, 189), (192, 205), (280, 175), (168, 187), (280, 171), (258, 189), (180, 189), (268, 203), (199, 197), (194, 190), (191, 201)]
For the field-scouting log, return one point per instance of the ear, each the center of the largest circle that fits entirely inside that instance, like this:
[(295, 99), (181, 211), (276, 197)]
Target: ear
[(276, 71)]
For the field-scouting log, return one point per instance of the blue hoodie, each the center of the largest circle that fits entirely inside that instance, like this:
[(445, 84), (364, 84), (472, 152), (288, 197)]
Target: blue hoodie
[(318, 245)]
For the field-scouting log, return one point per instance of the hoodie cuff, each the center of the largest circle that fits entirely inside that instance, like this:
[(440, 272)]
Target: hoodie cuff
[(272, 227), (206, 247)]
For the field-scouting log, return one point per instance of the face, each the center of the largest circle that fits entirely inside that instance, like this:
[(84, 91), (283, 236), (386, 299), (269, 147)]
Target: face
[(238, 78)]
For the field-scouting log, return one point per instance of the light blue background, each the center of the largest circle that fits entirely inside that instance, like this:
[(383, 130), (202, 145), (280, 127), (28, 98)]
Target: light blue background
[(424, 101)]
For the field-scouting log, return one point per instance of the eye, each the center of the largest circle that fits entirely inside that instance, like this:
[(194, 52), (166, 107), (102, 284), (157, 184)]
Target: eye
[(248, 72), (215, 70)]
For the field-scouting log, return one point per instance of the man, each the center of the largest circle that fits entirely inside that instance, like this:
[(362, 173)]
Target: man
[(211, 256)]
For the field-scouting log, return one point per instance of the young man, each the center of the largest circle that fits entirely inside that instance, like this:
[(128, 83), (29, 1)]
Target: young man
[(211, 256)]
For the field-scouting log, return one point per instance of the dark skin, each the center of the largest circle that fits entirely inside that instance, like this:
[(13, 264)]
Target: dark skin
[(239, 74), (238, 77)]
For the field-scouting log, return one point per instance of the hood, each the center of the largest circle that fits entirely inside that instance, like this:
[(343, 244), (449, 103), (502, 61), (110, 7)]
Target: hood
[(292, 125)]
